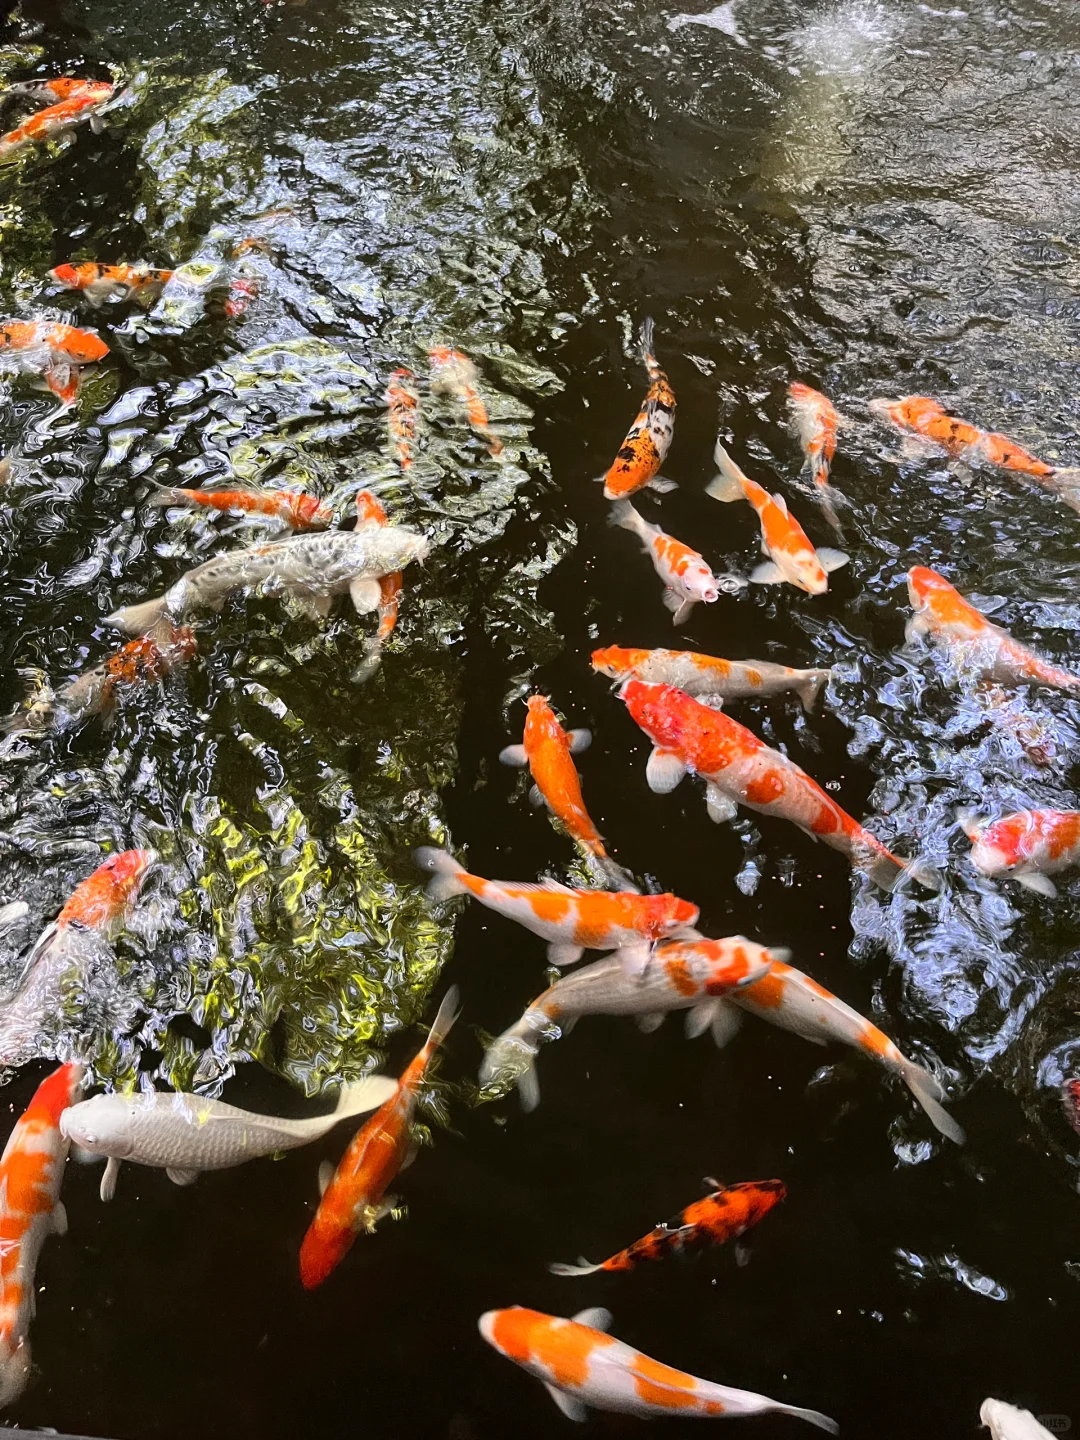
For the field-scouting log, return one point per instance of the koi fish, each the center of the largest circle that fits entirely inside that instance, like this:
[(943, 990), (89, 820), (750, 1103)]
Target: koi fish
[(402, 403), (354, 1195), (572, 921), (547, 751), (1070, 1099), (144, 661), (816, 422), (31, 1174), (370, 512), (787, 998), (56, 120), (581, 1365), (792, 557), (74, 946), (977, 649), (60, 88), (919, 415), (687, 579), (454, 375), (243, 289), (116, 283), (1027, 846), (311, 568), (708, 675), (298, 511), (724, 1214), (684, 975), (1007, 1422), (187, 1134), (52, 350), (739, 769), (649, 439)]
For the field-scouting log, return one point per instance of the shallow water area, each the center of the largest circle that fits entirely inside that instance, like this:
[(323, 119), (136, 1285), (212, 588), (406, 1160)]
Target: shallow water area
[(875, 198)]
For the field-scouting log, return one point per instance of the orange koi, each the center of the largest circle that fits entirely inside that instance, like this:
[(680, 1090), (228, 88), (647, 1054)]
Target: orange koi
[(354, 1195), (649, 438), (454, 374), (792, 556), (816, 422), (1027, 846), (548, 750), (978, 650), (739, 769), (298, 511), (56, 120), (99, 901), (581, 1365), (56, 351), (724, 1214), (60, 88), (709, 675), (402, 402), (793, 1001), (687, 579), (572, 921), (243, 289), (101, 283), (31, 1174)]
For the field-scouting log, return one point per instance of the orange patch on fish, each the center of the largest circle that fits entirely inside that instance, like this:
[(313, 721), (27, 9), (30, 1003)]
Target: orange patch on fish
[(659, 1384)]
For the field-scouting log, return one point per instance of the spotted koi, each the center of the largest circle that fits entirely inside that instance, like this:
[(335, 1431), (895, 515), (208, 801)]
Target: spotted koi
[(572, 921), (52, 350), (61, 88), (298, 511), (369, 511), (402, 403), (709, 675), (56, 120), (581, 1365), (1027, 846), (101, 283), (649, 439), (816, 422), (454, 375), (687, 579)]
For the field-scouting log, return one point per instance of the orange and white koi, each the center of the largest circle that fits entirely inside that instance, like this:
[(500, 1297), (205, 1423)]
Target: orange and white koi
[(548, 750), (690, 975), (572, 921), (402, 403), (295, 509), (60, 88), (370, 512), (919, 415), (649, 439), (52, 350), (581, 1365), (31, 1174), (792, 557), (816, 421), (454, 375), (726, 1213), (687, 579), (739, 769), (787, 998), (354, 1195), (1027, 846), (116, 283), (709, 675), (71, 945), (243, 289), (56, 120), (978, 650)]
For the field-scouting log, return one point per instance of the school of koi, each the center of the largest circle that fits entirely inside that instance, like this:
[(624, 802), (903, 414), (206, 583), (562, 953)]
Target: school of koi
[(656, 960)]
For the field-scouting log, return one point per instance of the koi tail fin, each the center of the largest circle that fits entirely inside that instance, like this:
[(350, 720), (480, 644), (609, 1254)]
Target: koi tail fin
[(812, 1417), (445, 872), (929, 1094), (581, 1268), (610, 875), (511, 1059), (1067, 485), (971, 823), (448, 1012), (164, 495), (647, 342), (625, 517), (809, 690), (727, 486), (138, 619), (366, 1094), (887, 870)]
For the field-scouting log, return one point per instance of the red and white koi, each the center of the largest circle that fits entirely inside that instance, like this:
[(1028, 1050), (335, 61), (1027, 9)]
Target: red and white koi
[(739, 769), (354, 1195), (31, 1174), (548, 750), (295, 509), (687, 579), (792, 557), (787, 998), (978, 650), (402, 403), (572, 921), (816, 422), (57, 120), (709, 675), (580, 1365), (691, 975), (59, 89), (726, 1213), (369, 511), (1028, 846), (454, 375), (115, 283), (649, 439), (54, 351)]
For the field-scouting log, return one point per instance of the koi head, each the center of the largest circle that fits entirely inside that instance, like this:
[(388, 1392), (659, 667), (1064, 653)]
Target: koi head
[(658, 709), (75, 277), (106, 895), (615, 661), (925, 586), (809, 572), (698, 580), (668, 915), (84, 347), (539, 706), (913, 412), (104, 1125)]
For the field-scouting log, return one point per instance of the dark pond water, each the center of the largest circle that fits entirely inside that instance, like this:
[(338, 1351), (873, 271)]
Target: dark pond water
[(875, 198)]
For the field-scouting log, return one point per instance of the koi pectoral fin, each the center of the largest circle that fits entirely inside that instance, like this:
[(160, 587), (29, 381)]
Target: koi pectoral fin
[(561, 955), (571, 1408), (721, 807), (648, 1023), (725, 1024), (831, 559), (768, 573), (579, 740), (595, 1317), (63, 381), (108, 1180), (182, 1177), (326, 1174), (1041, 884), (701, 1017), (513, 755), (664, 770), (661, 485), (365, 595)]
